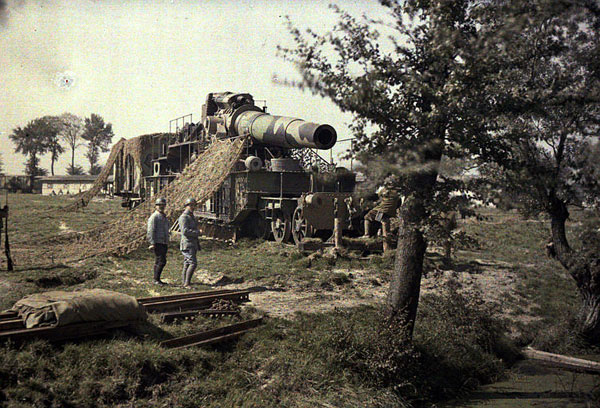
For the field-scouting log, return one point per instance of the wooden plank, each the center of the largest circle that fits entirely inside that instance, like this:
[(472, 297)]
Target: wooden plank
[(184, 295), (196, 302), (11, 324), (210, 334), (63, 332), (566, 362)]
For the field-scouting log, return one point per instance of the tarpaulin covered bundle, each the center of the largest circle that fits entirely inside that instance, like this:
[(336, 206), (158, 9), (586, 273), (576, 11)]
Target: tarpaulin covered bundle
[(61, 308)]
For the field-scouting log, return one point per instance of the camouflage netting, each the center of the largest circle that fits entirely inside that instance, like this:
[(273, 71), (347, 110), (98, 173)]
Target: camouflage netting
[(135, 147), (140, 150), (81, 200), (199, 180)]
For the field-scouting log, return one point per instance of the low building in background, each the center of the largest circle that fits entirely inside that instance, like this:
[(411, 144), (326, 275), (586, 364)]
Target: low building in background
[(20, 183), (71, 185)]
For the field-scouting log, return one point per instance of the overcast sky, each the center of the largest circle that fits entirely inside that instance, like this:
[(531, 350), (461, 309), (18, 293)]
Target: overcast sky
[(141, 63)]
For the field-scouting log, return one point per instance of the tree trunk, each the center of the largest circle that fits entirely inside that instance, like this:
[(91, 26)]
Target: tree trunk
[(72, 158), (585, 271), (93, 157), (589, 315), (52, 159), (33, 169), (405, 286)]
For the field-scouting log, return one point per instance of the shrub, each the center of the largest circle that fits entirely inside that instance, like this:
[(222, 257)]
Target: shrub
[(458, 345)]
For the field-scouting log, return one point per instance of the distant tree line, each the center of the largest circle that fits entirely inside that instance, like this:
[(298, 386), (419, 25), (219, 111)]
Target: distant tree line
[(53, 135)]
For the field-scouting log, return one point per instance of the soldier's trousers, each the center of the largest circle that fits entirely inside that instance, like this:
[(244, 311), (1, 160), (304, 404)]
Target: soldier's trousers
[(189, 265), (160, 259)]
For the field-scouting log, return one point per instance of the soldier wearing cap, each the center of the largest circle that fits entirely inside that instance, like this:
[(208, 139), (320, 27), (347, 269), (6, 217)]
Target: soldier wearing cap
[(189, 241), (158, 236)]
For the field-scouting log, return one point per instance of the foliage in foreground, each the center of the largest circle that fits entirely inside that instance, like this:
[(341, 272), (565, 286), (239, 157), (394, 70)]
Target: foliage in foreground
[(343, 358)]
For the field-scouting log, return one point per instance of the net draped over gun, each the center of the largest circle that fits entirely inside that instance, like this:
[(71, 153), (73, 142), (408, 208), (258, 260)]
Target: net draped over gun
[(127, 233)]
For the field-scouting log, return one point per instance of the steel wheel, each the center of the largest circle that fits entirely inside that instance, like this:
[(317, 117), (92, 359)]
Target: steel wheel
[(281, 227), (300, 227)]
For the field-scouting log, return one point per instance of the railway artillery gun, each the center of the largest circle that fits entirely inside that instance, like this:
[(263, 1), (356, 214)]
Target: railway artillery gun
[(280, 187)]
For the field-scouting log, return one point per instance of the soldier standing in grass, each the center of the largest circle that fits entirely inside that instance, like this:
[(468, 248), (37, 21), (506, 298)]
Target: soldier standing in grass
[(189, 241), (158, 235)]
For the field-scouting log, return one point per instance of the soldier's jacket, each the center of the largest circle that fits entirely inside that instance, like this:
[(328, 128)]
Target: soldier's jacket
[(388, 204), (189, 231), (158, 229)]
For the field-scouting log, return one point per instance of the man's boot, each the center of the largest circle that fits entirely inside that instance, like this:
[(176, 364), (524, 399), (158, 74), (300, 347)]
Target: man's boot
[(367, 225), (157, 273), (188, 275), (184, 274)]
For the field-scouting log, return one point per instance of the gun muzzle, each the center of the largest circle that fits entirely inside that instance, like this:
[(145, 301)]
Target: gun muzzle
[(284, 131)]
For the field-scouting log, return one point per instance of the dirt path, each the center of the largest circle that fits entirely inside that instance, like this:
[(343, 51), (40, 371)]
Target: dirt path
[(494, 281)]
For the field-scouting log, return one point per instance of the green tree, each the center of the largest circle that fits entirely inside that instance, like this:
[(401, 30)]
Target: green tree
[(53, 139), (76, 170), (406, 96), (543, 85), (32, 142), (98, 135), (71, 134)]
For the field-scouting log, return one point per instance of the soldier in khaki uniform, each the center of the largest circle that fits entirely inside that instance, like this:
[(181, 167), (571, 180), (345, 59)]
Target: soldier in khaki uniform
[(189, 245), (383, 212), (158, 236)]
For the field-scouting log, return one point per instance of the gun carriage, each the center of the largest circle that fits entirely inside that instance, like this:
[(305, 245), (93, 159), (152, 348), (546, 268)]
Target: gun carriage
[(281, 186)]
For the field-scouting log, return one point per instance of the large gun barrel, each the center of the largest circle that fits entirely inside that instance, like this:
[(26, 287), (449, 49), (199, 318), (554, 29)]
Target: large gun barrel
[(284, 131)]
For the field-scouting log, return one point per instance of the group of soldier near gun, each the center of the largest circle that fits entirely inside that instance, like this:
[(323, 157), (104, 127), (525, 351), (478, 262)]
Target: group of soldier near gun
[(158, 236)]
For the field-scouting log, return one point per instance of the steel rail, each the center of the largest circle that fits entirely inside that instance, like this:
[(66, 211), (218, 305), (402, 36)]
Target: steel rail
[(188, 303), (10, 324), (212, 336), (154, 299)]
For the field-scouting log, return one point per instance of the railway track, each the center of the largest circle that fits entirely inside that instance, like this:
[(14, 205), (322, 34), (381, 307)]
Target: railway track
[(219, 335), (172, 306)]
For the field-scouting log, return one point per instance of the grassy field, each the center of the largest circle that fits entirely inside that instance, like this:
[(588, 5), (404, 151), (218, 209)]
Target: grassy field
[(323, 345)]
